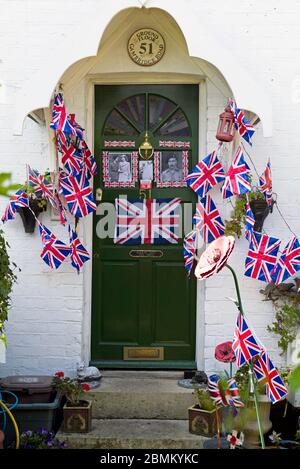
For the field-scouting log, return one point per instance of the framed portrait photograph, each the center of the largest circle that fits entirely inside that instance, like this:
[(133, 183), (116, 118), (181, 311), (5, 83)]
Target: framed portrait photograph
[(170, 168), (120, 169), (146, 170)]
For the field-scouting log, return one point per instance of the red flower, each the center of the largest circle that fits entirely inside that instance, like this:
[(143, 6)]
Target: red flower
[(86, 387), (215, 256), (59, 374), (224, 352)]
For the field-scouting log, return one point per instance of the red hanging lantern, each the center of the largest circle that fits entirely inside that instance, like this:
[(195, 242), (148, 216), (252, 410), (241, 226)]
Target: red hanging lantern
[(225, 130)]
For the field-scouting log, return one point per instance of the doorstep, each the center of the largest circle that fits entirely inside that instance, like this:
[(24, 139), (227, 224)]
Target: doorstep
[(135, 434)]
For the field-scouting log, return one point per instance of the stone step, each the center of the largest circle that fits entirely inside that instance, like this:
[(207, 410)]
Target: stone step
[(135, 434), (146, 396)]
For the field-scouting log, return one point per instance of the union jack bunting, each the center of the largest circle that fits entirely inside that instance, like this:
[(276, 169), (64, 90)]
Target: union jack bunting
[(78, 129), (244, 344), (208, 220), (288, 263), (151, 221), (265, 182), (250, 222), (78, 195), (45, 233), (237, 178), (71, 158), (59, 120), (230, 397), (61, 210), (265, 371), (79, 254), (189, 250), (40, 185), (206, 174), (19, 199), (261, 257), (54, 251), (245, 129), (90, 165)]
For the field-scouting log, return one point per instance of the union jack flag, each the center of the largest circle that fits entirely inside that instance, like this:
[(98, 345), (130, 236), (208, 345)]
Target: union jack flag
[(265, 182), (79, 254), (208, 220), (206, 174), (189, 251), (78, 195), (228, 397), (71, 158), (19, 199), (288, 263), (151, 221), (59, 120), (78, 129), (45, 233), (54, 252), (237, 178), (90, 165), (40, 185), (250, 221), (245, 129), (244, 344), (261, 257), (265, 371)]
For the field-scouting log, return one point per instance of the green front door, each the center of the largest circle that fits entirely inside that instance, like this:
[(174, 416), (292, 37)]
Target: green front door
[(143, 305)]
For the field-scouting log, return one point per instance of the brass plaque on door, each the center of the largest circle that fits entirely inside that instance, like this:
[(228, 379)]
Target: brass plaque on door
[(143, 353)]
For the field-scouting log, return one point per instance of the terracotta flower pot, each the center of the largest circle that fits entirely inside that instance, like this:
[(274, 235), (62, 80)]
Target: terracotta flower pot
[(203, 422), (78, 419)]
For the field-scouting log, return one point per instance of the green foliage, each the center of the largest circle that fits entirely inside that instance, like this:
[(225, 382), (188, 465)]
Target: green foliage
[(5, 187), (286, 324), (204, 400), (235, 225), (7, 279), (69, 387), (242, 378), (41, 439)]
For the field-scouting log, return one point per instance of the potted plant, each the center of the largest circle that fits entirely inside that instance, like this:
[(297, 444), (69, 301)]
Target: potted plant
[(41, 439), (77, 411), (251, 430), (203, 417), (37, 203), (260, 210)]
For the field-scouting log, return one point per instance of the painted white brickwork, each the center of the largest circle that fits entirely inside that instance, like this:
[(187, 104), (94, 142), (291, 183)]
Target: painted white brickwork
[(47, 325)]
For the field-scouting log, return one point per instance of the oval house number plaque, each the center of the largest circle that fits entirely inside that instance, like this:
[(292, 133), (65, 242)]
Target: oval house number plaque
[(146, 47)]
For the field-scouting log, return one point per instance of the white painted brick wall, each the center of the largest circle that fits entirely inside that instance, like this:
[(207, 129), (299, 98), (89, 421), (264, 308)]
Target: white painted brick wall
[(45, 325)]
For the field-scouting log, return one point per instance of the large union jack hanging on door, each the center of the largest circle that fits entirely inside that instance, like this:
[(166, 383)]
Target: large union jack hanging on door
[(208, 220), (237, 178), (78, 194), (265, 371), (244, 344), (265, 182), (206, 174), (288, 263), (261, 257), (151, 221), (243, 126)]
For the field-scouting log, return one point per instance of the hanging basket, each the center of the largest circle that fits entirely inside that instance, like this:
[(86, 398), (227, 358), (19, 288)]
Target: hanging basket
[(27, 216), (260, 210)]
